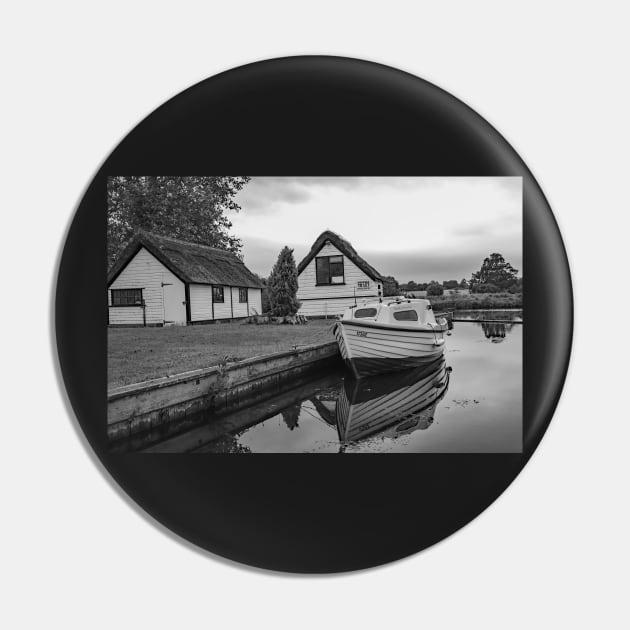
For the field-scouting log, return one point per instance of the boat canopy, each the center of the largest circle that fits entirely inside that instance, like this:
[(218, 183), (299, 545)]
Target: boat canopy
[(394, 311)]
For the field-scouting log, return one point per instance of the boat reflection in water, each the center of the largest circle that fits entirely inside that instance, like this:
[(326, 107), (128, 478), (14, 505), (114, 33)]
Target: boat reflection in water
[(390, 405)]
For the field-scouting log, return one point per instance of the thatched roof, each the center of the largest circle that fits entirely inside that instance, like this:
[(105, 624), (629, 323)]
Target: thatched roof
[(190, 262), (345, 248)]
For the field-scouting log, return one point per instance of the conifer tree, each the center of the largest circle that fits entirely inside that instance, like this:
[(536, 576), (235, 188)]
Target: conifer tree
[(283, 285)]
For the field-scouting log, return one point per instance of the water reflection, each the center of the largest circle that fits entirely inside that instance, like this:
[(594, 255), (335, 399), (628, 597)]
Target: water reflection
[(476, 408), (496, 331), (291, 416), (390, 405)]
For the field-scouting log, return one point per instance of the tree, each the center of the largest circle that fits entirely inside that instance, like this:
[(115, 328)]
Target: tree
[(434, 288), (463, 284), (494, 271), (517, 287), (283, 285), (390, 286), (189, 208), (264, 294), (486, 287), (450, 284)]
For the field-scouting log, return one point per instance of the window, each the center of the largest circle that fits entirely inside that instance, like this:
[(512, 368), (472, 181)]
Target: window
[(242, 296), (363, 284), (365, 312), (329, 270), (126, 297), (406, 316), (217, 294)]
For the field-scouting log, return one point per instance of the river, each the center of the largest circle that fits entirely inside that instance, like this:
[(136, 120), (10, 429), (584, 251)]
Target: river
[(469, 402)]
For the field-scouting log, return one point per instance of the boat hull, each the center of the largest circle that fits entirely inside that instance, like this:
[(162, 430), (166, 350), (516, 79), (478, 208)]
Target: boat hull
[(375, 349)]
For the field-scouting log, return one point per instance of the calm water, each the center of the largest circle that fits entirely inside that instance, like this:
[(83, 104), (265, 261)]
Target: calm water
[(471, 402)]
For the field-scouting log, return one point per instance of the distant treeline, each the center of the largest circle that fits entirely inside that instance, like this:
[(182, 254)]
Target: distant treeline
[(496, 275), (474, 301)]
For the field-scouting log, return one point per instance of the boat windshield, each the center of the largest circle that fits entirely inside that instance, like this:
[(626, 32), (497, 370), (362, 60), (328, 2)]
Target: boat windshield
[(406, 316), (364, 312)]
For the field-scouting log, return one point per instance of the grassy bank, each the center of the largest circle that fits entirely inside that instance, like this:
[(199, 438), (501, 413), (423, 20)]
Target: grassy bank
[(486, 301), (139, 354)]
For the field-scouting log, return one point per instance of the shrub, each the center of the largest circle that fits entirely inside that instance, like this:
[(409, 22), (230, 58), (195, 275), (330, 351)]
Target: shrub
[(486, 288)]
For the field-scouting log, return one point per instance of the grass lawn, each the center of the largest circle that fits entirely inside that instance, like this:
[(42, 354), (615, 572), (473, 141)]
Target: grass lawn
[(140, 354)]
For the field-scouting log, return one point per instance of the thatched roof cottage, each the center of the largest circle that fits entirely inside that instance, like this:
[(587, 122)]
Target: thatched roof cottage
[(333, 275), (158, 281)]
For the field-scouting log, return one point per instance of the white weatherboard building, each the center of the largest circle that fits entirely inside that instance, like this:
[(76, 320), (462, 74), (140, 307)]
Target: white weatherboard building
[(333, 277), (159, 281)]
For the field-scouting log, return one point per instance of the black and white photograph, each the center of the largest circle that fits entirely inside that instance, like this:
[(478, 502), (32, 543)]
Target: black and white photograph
[(306, 315), (314, 314)]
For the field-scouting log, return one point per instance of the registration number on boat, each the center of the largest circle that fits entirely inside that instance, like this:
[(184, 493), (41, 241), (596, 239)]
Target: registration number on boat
[(361, 333)]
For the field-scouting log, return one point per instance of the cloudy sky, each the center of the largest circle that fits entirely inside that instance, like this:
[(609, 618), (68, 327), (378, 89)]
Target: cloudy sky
[(413, 228)]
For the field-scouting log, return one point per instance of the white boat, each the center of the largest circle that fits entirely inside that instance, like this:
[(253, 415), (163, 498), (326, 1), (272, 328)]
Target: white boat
[(390, 334), (390, 405)]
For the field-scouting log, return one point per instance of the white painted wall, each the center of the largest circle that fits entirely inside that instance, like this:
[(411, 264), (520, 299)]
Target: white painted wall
[(240, 309), (321, 308), (200, 302), (254, 297), (144, 271), (223, 310), (334, 298)]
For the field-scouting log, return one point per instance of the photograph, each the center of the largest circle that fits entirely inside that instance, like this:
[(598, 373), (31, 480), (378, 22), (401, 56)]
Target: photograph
[(314, 314)]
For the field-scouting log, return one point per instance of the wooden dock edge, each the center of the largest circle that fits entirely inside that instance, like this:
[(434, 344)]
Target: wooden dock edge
[(138, 408)]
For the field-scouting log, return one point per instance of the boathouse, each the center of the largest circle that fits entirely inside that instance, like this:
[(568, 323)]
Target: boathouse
[(158, 281), (333, 276)]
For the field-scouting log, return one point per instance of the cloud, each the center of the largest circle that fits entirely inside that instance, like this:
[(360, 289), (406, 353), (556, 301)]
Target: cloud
[(418, 228), (426, 266), (471, 230), (420, 266), (266, 195)]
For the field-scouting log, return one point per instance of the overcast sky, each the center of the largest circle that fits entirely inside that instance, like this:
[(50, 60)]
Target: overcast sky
[(413, 228)]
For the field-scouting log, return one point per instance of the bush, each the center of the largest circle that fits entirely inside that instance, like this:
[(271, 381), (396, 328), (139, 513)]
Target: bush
[(486, 288), (434, 289)]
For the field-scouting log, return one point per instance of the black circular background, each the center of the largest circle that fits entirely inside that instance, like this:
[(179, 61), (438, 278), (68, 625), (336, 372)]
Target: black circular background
[(313, 116)]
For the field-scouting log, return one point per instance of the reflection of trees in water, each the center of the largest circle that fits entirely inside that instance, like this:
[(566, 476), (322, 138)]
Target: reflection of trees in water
[(330, 394), (496, 331), (229, 444), (291, 415)]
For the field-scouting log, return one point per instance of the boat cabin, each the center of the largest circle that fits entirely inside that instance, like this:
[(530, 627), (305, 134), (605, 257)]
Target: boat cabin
[(394, 311)]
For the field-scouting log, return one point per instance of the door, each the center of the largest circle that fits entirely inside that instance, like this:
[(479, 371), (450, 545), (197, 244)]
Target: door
[(174, 301)]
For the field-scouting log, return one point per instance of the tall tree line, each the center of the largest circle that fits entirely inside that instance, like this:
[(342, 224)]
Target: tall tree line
[(188, 208)]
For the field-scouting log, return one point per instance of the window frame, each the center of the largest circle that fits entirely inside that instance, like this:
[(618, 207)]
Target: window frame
[(370, 316), (135, 303), (407, 310), (330, 283), (215, 289), (240, 295)]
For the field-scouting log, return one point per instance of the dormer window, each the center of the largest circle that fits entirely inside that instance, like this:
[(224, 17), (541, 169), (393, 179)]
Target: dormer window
[(329, 270)]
